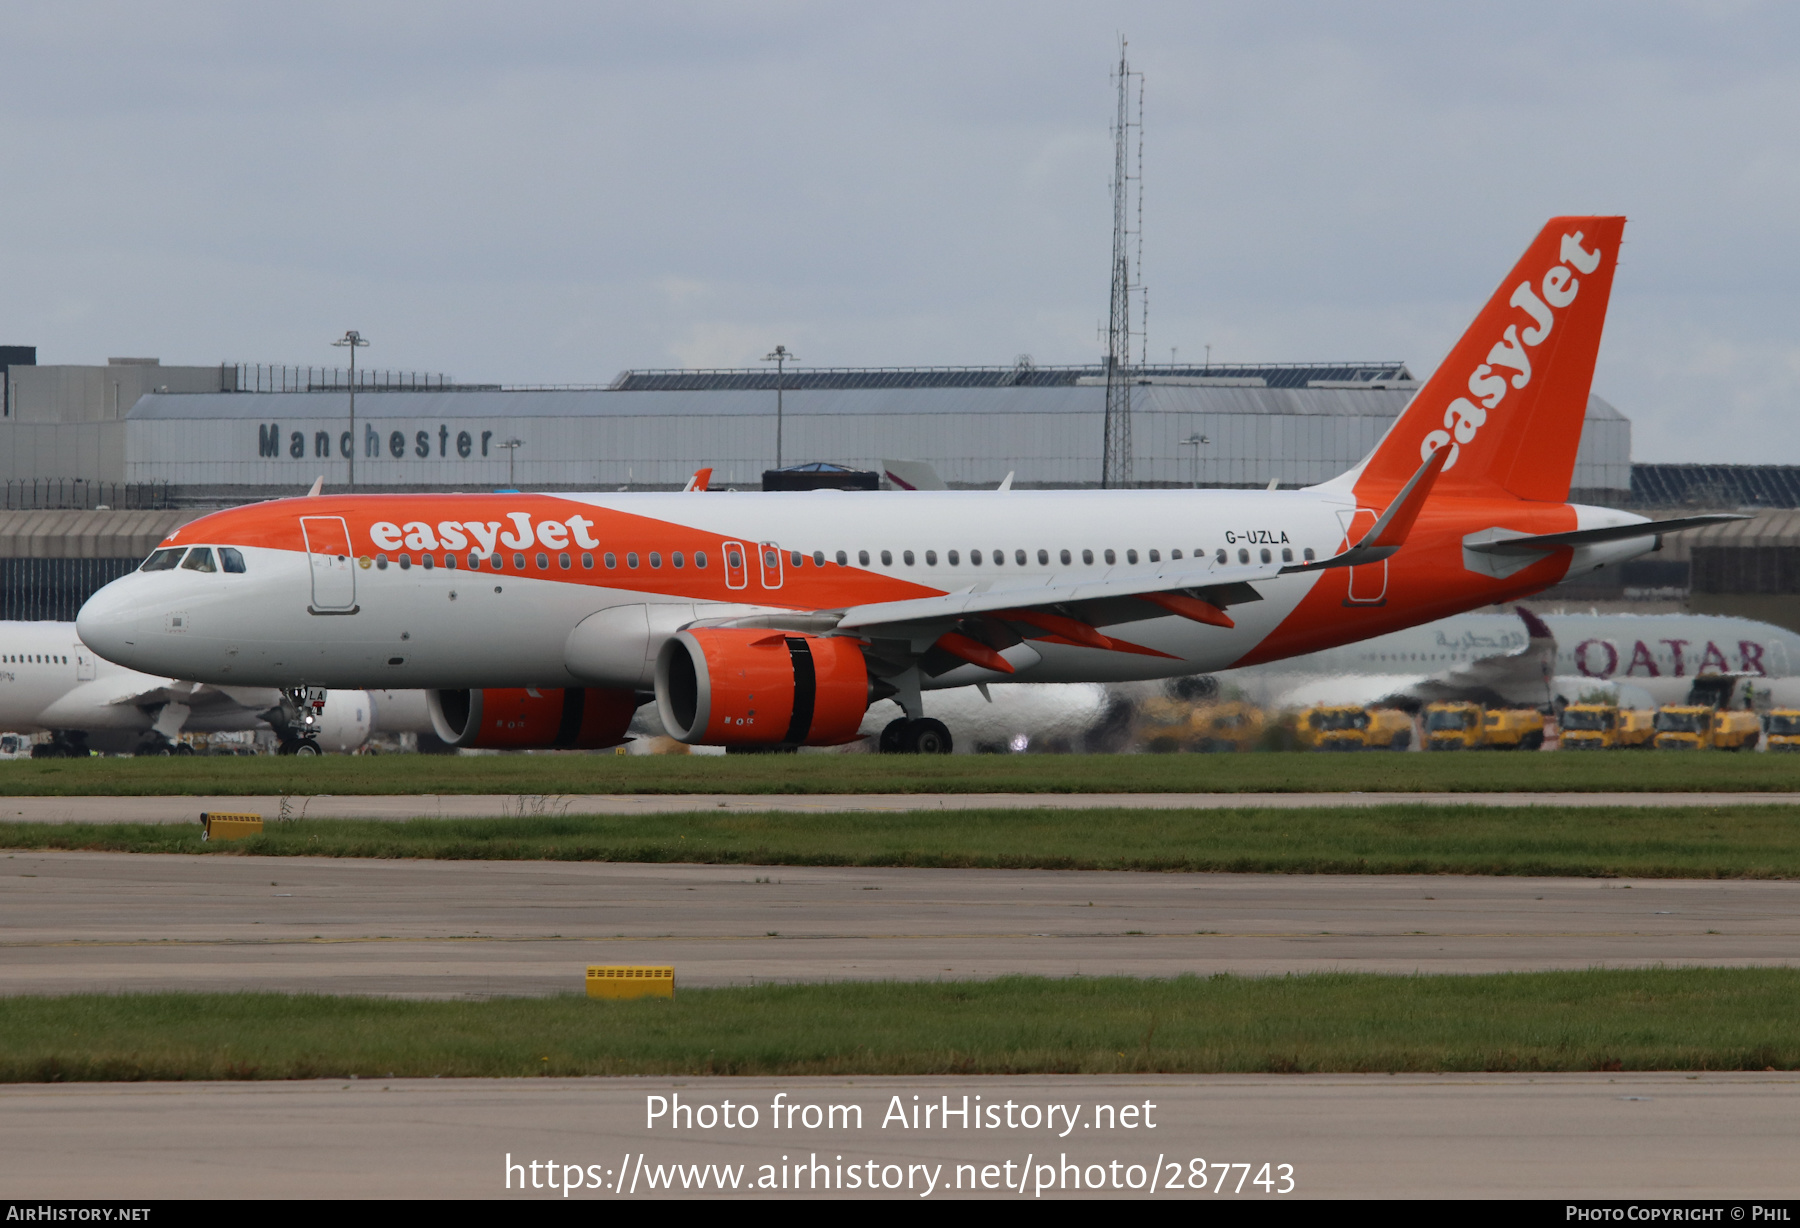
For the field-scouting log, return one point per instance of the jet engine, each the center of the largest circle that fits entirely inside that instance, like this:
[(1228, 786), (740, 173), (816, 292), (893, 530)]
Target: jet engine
[(719, 686), (532, 718)]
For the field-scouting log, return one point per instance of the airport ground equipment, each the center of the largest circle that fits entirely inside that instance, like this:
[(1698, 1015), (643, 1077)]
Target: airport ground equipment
[(1452, 726), (221, 826), (1334, 727), (621, 981), (1605, 727), (1513, 729), (1350, 727), (1168, 724), (1736, 729), (1783, 727)]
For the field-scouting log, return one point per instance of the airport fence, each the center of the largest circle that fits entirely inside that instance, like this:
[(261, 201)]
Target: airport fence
[(46, 494), (33, 590)]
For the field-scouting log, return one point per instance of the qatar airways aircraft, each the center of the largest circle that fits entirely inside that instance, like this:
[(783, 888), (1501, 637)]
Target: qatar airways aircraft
[(767, 620)]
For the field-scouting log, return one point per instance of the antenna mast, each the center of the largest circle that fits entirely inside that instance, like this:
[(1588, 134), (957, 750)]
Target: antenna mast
[(1116, 466)]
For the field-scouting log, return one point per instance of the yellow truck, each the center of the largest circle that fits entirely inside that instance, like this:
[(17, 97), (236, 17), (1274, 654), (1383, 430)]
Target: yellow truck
[(1169, 724), (1698, 726), (1464, 726), (1736, 729), (1350, 727), (1605, 727), (1783, 725)]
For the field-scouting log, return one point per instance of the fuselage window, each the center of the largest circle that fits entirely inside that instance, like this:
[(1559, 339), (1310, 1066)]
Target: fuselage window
[(450, 561), (843, 559), (1221, 557), (611, 560), (1307, 554), (496, 562), (161, 560), (1043, 558), (381, 562), (1087, 556), (543, 561), (887, 558), (952, 557), (999, 558), (406, 562), (1243, 556), (1173, 554), (1155, 557), (199, 559), (700, 559), (655, 559), (1067, 558), (587, 562), (931, 558), (518, 562), (232, 560), (1287, 554), (427, 562), (1130, 556), (907, 557), (474, 562), (678, 558), (1111, 558), (818, 558), (1267, 556), (862, 558), (631, 558), (796, 557), (974, 558)]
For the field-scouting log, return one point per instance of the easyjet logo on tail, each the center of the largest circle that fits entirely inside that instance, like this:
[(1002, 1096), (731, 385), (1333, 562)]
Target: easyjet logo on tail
[(1466, 416)]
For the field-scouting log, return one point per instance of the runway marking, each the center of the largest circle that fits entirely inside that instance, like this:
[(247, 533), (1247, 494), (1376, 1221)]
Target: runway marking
[(836, 937)]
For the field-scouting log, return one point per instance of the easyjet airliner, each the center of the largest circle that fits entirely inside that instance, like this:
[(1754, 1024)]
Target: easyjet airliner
[(767, 620)]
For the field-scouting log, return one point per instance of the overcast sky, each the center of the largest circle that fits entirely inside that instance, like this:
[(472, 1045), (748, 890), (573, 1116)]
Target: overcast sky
[(548, 193)]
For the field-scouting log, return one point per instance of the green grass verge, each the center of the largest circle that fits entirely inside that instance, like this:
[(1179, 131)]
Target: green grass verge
[(1281, 772), (1657, 1019), (1677, 842)]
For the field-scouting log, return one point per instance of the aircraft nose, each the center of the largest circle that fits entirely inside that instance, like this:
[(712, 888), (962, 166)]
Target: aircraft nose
[(109, 622)]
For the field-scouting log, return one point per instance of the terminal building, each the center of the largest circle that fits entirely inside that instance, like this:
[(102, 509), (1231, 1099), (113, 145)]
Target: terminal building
[(212, 435)]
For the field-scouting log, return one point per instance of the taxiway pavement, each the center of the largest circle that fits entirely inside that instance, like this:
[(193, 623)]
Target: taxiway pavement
[(178, 809), (73, 922), (1637, 1136)]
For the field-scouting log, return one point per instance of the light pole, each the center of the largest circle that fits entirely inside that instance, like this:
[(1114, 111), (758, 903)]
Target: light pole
[(354, 340), (1195, 441), (512, 447), (780, 357)]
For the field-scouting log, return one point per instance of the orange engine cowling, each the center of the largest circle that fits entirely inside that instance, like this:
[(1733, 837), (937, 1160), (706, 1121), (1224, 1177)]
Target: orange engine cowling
[(532, 718), (718, 686)]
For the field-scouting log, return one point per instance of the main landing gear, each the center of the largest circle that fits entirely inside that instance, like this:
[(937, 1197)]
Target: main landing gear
[(921, 737)]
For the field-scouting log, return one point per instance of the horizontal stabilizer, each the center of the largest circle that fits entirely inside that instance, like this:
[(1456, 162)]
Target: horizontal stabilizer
[(1542, 543)]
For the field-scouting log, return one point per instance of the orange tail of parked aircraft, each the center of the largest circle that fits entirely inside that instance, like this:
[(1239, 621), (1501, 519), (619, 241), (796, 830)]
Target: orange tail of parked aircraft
[(1509, 401)]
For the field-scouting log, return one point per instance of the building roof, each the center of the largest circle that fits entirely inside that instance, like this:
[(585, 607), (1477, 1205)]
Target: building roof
[(1023, 375), (1716, 485)]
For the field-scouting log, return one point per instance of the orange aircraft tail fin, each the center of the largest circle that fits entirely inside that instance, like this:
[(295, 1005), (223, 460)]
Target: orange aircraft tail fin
[(1510, 399)]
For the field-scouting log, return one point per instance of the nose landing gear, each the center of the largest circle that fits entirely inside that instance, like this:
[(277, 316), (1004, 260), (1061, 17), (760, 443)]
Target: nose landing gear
[(297, 720)]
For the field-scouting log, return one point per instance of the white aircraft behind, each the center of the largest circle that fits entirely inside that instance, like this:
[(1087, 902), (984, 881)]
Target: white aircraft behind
[(51, 682), (1642, 660)]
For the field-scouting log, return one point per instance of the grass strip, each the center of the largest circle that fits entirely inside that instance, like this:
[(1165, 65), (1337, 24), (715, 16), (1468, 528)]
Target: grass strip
[(1675, 842), (1654, 1019), (1274, 772)]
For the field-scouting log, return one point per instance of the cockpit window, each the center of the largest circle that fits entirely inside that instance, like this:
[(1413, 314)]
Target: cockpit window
[(232, 560), (200, 558), (163, 560)]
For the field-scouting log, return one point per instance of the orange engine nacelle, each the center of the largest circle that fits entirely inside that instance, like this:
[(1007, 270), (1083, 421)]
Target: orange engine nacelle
[(720, 686), (532, 718)]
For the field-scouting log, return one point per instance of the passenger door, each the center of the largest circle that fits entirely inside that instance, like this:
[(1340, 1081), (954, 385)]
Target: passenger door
[(333, 570), (736, 575)]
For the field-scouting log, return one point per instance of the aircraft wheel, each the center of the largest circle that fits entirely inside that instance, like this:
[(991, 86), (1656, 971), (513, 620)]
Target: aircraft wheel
[(928, 737), (893, 737), (306, 746)]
